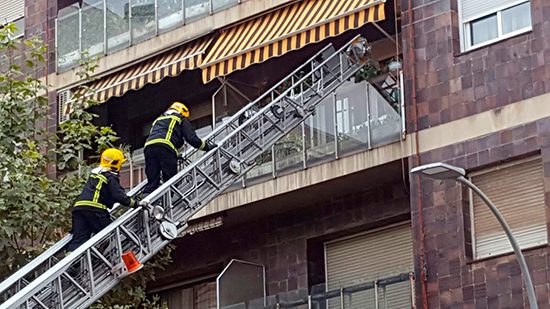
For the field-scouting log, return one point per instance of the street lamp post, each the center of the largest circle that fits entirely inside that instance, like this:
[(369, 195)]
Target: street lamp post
[(444, 171)]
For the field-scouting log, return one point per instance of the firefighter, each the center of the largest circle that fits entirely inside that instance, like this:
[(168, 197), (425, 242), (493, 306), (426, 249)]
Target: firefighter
[(101, 192), (169, 133)]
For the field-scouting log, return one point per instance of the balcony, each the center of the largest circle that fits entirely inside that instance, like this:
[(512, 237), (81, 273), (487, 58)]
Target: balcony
[(102, 27), (356, 118)]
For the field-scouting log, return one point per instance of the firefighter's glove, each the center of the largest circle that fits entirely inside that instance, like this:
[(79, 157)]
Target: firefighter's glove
[(209, 146)]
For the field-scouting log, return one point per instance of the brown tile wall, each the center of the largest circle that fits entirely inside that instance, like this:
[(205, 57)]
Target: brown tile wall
[(453, 279), (288, 244), (451, 85), (40, 22)]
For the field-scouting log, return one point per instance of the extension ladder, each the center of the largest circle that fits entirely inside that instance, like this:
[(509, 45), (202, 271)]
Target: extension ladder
[(50, 281)]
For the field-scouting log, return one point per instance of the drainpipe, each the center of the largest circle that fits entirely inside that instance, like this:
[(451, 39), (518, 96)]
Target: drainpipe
[(421, 236)]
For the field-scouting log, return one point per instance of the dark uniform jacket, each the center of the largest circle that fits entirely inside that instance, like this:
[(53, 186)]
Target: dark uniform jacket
[(172, 130), (102, 191)]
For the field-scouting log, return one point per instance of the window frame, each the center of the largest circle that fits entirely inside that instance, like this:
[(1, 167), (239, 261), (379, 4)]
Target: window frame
[(465, 27), (21, 31), (470, 201)]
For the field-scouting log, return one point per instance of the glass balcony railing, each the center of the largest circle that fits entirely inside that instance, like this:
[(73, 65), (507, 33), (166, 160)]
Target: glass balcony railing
[(356, 118), (100, 27)]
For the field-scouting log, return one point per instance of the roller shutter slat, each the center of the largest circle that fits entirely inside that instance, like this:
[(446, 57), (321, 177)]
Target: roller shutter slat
[(11, 10), (367, 257), (518, 193), (477, 8)]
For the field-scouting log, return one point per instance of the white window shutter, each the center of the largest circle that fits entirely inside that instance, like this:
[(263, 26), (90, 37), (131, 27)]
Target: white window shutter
[(518, 192), (11, 10), (477, 8)]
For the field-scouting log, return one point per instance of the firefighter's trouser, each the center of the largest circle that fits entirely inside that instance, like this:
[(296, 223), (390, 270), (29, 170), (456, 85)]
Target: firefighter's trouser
[(159, 160), (85, 224)]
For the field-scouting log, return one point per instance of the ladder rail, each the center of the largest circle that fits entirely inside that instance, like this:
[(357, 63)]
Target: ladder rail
[(235, 117), (159, 192), (202, 181)]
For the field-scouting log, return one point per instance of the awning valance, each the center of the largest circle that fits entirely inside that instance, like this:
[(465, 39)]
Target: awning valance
[(171, 63), (289, 28)]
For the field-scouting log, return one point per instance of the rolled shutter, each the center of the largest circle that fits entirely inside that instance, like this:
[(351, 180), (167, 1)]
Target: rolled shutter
[(368, 257), (11, 10), (518, 192), (477, 8)]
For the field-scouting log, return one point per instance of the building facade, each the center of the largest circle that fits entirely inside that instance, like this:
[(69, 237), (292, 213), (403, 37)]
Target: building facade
[(329, 216)]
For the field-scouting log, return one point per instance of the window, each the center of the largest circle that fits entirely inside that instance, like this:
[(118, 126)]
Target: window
[(20, 27), (517, 190), (485, 22), (343, 115)]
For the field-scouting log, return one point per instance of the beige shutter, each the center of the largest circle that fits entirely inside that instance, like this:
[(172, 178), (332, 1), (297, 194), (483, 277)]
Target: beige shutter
[(11, 10), (477, 8), (517, 190), (368, 257)]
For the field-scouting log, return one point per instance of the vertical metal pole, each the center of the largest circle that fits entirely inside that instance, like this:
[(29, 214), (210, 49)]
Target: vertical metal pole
[(183, 11), (341, 298), (369, 145), (304, 153), (57, 45), (224, 93), (130, 26), (131, 163), (211, 7), (336, 139), (104, 27), (402, 106), (411, 284), (375, 294), (273, 169), (80, 33), (309, 303), (156, 17)]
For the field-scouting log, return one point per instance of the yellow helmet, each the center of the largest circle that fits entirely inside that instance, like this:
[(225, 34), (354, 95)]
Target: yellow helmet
[(181, 108), (112, 159)]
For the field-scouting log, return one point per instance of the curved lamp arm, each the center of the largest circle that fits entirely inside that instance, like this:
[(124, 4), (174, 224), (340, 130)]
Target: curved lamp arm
[(521, 259)]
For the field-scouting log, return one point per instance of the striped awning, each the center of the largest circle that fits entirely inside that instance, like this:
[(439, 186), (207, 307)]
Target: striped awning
[(287, 29), (171, 63)]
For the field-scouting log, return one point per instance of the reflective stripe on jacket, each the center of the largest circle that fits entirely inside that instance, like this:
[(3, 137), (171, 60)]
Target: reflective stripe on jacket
[(173, 130), (102, 191)]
